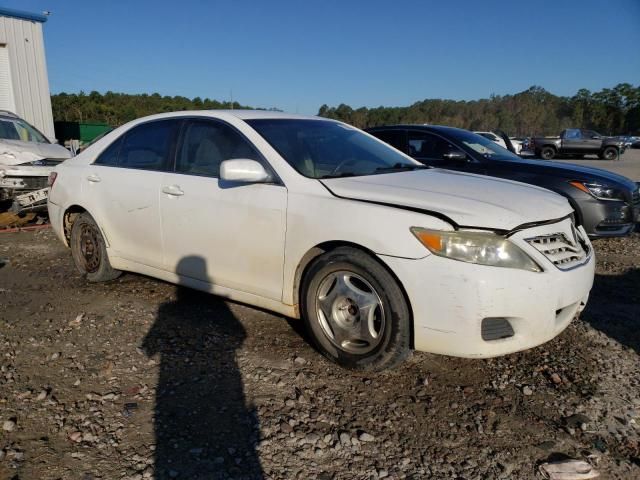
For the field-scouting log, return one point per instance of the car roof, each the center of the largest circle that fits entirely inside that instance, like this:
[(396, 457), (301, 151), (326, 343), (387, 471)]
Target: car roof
[(8, 114), (255, 114), (431, 128), (241, 114)]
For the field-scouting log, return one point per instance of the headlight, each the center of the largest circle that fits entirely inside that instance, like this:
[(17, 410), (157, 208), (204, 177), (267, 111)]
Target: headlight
[(483, 248), (599, 190)]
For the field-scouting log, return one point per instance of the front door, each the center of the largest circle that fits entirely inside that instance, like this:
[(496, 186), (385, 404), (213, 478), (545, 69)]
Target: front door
[(432, 150), (228, 234), (591, 142)]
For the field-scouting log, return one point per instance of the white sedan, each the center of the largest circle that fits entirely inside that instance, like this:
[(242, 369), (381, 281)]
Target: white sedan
[(315, 219)]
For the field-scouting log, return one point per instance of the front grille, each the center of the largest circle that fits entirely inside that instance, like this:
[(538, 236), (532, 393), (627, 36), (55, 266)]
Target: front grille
[(563, 252), (635, 197), (35, 183), (495, 329)]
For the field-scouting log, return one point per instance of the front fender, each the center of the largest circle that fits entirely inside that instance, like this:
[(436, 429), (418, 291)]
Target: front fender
[(383, 230)]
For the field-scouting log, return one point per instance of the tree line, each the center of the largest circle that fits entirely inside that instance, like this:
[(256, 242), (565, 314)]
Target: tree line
[(118, 108), (610, 111)]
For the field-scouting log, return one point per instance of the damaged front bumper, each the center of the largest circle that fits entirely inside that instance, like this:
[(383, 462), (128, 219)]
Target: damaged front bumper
[(21, 179), (479, 311), (25, 185)]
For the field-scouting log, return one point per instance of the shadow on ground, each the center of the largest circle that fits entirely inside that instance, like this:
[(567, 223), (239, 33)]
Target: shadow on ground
[(203, 428), (614, 307)]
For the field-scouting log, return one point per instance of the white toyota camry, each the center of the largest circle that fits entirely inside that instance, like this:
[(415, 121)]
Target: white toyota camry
[(315, 219)]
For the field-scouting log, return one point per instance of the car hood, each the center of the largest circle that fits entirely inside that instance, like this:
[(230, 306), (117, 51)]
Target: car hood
[(468, 200), (16, 152), (572, 171)]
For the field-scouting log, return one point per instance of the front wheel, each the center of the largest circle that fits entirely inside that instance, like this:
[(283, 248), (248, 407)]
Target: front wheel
[(355, 311), (609, 153), (89, 251)]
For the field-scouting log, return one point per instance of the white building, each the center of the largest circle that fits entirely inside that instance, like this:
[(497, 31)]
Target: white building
[(24, 85)]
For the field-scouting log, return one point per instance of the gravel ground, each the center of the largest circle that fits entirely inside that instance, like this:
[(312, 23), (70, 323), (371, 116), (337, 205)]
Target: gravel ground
[(140, 379)]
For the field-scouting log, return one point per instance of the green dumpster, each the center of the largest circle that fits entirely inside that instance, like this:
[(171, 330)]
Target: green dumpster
[(85, 132)]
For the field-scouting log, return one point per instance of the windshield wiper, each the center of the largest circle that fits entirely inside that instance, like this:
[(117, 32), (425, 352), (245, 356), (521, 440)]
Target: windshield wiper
[(400, 167), (338, 175)]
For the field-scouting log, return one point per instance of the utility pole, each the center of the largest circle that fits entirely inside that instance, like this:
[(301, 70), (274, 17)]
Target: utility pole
[(231, 95)]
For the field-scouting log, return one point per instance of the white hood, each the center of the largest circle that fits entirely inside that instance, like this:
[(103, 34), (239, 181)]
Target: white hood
[(467, 199), (17, 152)]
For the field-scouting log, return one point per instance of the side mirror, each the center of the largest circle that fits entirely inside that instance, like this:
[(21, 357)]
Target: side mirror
[(243, 170), (455, 155)]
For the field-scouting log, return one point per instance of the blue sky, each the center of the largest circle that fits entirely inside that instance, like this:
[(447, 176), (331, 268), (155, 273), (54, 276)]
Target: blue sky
[(297, 55)]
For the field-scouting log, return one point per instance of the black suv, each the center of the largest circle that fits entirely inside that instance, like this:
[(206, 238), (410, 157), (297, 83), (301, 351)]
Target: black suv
[(606, 204)]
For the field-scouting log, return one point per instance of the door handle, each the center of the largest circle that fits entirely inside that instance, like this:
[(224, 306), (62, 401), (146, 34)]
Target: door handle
[(93, 178), (174, 190)]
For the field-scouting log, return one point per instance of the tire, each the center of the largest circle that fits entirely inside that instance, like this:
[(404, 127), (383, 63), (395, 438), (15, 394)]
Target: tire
[(609, 153), (547, 153), (347, 280), (89, 251)]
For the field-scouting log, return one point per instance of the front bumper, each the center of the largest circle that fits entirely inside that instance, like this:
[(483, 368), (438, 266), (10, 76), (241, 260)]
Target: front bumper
[(452, 300), (608, 218), (16, 180)]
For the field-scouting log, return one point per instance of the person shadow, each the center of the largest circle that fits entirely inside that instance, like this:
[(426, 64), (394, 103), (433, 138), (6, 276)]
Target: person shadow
[(203, 427), (614, 307)]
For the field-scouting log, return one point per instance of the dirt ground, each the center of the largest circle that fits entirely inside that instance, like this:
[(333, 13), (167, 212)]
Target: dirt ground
[(140, 379)]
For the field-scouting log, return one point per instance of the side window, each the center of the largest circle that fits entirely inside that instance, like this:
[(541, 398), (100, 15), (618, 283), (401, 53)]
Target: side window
[(572, 134), (109, 155), (395, 138), (148, 146), (426, 145), (206, 144)]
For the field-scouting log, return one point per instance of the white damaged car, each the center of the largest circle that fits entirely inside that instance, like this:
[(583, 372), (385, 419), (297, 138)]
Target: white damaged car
[(26, 159), (315, 219)]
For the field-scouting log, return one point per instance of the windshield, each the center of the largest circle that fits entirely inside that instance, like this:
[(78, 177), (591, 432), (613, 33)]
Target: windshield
[(17, 129), (483, 146), (326, 149)]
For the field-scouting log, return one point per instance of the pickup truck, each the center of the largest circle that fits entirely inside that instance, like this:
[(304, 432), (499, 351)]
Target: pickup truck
[(576, 143)]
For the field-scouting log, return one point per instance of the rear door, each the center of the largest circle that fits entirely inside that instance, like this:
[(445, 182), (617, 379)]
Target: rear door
[(122, 190), (228, 234)]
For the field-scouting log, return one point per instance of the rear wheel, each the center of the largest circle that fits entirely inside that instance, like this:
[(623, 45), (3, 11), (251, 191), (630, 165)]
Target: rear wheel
[(355, 311), (547, 153), (89, 251), (609, 153)]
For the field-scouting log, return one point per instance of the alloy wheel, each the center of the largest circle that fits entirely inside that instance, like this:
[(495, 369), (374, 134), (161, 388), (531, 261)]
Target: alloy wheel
[(350, 312)]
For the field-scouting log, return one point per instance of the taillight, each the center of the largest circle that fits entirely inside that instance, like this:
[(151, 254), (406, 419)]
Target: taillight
[(52, 179)]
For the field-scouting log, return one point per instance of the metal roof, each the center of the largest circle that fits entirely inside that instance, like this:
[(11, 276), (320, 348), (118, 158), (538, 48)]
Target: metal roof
[(34, 17)]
